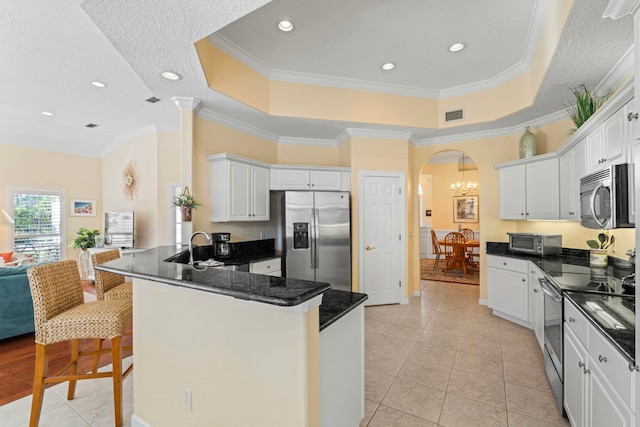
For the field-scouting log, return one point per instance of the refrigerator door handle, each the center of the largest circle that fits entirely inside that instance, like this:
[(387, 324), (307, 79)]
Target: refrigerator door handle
[(316, 235), (312, 238)]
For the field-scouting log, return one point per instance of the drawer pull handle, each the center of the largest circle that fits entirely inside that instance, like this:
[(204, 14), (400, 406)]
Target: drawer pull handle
[(586, 371), (571, 319), (602, 359), (504, 263), (535, 291), (633, 367), (580, 364)]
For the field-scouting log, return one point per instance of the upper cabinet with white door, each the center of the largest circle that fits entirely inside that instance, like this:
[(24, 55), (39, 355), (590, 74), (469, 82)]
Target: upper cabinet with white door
[(572, 168), (239, 189), (530, 190), (287, 177), (608, 143)]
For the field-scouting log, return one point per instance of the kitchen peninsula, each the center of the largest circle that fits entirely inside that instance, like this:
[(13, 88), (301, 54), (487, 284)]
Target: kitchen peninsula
[(234, 348)]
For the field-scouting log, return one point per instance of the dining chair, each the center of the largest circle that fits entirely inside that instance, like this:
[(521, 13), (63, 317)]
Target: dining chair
[(436, 249), (469, 234), (61, 314), (455, 247)]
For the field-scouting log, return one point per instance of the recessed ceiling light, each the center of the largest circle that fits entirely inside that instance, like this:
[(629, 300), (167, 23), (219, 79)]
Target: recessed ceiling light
[(98, 84), (47, 113), (457, 47), (170, 75), (285, 25), (388, 66)]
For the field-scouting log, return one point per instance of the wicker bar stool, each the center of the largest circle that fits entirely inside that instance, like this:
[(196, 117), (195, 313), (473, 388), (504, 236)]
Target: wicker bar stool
[(61, 314), (109, 287)]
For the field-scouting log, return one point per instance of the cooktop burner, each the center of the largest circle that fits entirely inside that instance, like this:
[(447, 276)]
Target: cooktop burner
[(579, 278)]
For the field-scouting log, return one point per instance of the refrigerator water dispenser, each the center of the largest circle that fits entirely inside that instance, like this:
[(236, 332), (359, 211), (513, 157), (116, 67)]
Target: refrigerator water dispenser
[(300, 235)]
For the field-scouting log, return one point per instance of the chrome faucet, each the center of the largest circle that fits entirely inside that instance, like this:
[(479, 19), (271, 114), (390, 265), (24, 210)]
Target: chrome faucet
[(191, 244)]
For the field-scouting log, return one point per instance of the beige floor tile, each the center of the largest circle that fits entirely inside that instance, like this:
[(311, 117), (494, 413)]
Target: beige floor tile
[(446, 327), (484, 365), (519, 420), (376, 325), (16, 413), (433, 354), (532, 376), (481, 331), (411, 333), (383, 361), (412, 320), (389, 417), (425, 373), (63, 416), (522, 355), (415, 399), (474, 318), (370, 337), (449, 316), (470, 344), (534, 403), (393, 344), (376, 385), (441, 340), (370, 408), (461, 412), (480, 310), (477, 387)]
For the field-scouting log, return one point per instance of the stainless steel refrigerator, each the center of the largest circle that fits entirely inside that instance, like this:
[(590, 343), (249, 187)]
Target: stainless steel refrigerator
[(316, 226)]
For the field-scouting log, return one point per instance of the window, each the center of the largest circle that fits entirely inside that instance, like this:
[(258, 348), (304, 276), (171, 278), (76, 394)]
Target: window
[(38, 223)]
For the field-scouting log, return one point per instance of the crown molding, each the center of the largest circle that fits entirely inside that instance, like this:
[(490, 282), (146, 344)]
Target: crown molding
[(619, 8), (492, 133), (312, 142), (185, 103), (538, 16), (622, 69), (237, 125)]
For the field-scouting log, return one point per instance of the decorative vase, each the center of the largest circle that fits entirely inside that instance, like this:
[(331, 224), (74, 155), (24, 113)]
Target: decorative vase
[(527, 144), (186, 214), (598, 258)]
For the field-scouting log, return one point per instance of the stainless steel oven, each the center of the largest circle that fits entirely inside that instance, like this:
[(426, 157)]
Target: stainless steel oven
[(553, 338)]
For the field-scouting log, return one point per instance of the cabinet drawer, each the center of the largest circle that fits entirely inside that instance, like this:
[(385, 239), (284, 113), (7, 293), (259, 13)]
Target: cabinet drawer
[(614, 366), (506, 263), (266, 266), (576, 321)]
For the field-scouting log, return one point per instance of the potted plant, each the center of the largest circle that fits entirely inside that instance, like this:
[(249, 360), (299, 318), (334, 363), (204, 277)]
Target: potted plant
[(84, 240), (598, 254), (586, 103), (186, 202)]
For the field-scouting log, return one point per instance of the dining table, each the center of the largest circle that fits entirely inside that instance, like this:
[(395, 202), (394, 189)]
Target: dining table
[(468, 244)]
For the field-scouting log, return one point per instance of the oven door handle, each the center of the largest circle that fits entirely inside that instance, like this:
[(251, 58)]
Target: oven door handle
[(543, 285), (602, 224)]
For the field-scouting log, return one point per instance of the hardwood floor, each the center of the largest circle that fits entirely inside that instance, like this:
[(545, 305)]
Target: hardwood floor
[(17, 360)]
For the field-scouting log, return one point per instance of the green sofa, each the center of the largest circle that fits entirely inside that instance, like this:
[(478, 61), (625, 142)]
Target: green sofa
[(16, 305)]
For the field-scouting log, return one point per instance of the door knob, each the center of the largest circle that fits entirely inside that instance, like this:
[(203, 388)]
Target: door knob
[(368, 248)]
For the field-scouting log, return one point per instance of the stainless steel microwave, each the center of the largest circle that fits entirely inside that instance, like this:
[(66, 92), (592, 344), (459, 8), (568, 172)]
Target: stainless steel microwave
[(535, 244), (605, 198)]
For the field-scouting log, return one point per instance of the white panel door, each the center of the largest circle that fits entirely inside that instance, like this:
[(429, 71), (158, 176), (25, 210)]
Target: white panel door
[(259, 193), (239, 192), (512, 193), (381, 217)]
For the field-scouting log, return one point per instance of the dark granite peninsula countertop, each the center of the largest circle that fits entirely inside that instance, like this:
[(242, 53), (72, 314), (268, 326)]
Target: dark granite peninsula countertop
[(151, 265), (336, 304), (613, 315)]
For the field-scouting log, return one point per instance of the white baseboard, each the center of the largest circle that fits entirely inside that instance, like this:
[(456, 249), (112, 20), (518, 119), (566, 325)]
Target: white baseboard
[(482, 301), (137, 422)]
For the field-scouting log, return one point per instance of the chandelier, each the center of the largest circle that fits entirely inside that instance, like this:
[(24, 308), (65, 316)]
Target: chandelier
[(462, 188)]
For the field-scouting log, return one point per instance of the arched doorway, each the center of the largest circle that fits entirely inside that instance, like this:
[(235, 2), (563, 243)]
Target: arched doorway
[(443, 209)]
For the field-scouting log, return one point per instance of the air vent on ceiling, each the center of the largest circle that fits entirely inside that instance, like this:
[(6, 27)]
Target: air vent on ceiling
[(453, 115), (91, 125), (153, 100)]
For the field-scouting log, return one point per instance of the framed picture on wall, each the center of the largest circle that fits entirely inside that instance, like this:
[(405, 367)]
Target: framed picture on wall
[(465, 209), (79, 207)]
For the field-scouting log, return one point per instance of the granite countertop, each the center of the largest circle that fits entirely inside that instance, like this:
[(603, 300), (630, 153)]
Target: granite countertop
[(613, 315), (151, 265), (337, 303)]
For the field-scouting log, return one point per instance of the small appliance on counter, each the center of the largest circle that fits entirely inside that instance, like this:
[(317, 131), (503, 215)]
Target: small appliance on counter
[(535, 244), (221, 245)]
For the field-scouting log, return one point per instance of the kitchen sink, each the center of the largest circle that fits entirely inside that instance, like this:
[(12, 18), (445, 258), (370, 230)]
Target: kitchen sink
[(204, 253)]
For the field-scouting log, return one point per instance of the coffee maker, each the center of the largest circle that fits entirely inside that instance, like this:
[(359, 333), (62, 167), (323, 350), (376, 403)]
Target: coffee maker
[(221, 245)]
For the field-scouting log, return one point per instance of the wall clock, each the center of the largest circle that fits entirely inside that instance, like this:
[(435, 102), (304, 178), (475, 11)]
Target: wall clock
[(130, 183)]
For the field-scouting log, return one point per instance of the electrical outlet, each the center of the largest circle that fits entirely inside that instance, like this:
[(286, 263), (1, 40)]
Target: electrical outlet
[(187, 399)]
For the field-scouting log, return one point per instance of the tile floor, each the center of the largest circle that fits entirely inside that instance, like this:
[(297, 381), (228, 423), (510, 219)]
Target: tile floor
[(441, 360), (445, 360)]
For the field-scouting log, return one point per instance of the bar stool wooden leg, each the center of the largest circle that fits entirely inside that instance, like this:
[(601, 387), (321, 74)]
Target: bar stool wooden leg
[(98, 346), (116, 356), (73, 368), (41, 371)]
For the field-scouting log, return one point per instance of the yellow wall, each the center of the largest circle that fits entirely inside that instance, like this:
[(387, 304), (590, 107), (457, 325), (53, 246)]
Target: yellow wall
[(79, 177), (290, 154), (157, 159)]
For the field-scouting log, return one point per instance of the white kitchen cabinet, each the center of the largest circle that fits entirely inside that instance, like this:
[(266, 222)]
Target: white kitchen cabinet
[(239, 189), (530, 191), (598, 387), (632, 115), (508, 288), (572, 168), (536, 303), (607, 144), (268, 267), (284, 177)]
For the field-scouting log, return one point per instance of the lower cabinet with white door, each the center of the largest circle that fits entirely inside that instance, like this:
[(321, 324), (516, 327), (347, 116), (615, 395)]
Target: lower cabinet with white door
[(268, 267), (536, 303), (598, 386), (509, 288)]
